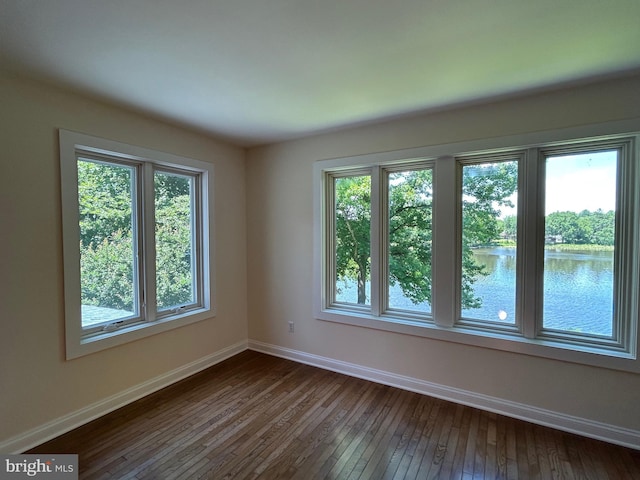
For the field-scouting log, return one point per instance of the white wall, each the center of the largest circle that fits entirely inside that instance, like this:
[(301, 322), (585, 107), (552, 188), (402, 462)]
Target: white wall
[(280, 241), (37, 385)]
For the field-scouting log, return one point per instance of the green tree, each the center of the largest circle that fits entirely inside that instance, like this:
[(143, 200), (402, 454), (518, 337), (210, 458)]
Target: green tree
[(510, 226), (410, 239), (486, 188), (174, 279), (563, 225), (104, 197), (353, 228), (107, 251), (106, 272), (603, 226), (106, 234), (583, 228), (410, 227)]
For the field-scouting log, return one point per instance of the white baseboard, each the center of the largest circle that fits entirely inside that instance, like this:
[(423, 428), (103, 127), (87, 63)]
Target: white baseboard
[(59, 426), (581, 426)]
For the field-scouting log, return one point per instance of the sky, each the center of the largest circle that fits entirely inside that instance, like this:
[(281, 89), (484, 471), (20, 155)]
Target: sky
[(585, 181), (581, 182)]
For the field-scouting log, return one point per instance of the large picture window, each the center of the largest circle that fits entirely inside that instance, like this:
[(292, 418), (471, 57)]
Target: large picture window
[(352, 226), (401, 285), (109, 242), (408, 239), (178, 233), (136, 241), (531, 249), (580, 242), (489, 240)]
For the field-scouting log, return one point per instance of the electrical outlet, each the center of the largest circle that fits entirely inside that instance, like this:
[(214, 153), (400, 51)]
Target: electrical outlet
[(290, 327)]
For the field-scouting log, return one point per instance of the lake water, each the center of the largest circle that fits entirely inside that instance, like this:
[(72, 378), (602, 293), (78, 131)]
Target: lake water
[(578, 290)]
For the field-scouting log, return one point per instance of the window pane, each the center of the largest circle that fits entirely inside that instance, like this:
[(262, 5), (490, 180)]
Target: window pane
[(174, 230), (106, 196), (352, 239), (580, 197), (409, 249), (489, 241)]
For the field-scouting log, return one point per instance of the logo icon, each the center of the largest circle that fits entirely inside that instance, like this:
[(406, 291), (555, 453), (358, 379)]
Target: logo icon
[(51, 467)]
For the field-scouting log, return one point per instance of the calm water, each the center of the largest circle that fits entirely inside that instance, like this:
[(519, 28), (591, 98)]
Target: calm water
[(578, 290)]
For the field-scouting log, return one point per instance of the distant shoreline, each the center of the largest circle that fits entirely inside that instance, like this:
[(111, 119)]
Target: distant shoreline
[(565, 247), (574, 247)]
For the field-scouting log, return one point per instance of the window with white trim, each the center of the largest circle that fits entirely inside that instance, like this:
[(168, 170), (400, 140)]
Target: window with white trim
[(532, 249), (137, 241)]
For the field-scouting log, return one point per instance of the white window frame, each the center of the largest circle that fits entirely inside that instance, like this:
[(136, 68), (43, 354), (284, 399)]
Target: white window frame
[(526, 336), (382, 178), (520, 156), (82, 341)]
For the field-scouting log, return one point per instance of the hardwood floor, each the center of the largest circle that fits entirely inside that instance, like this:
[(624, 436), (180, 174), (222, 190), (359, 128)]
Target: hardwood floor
[(258, 416)]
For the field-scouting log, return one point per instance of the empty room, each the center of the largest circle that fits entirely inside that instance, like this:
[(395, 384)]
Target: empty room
[(303, 239)]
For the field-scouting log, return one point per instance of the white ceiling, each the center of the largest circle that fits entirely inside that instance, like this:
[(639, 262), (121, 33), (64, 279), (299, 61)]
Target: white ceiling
[(259, 71)]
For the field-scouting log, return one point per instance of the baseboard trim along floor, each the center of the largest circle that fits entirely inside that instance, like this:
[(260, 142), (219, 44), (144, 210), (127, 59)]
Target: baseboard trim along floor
[(581, 426), (66, 423)]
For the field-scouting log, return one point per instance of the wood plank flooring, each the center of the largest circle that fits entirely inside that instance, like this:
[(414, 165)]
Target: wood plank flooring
[(258, 416)]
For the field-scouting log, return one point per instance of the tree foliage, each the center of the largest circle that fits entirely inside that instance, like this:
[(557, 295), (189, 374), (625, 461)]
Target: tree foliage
[(410, 238), (584, 228), (104, 196), (174, 280), (353, 229), (106, 235), (485, 191), (108, 252)]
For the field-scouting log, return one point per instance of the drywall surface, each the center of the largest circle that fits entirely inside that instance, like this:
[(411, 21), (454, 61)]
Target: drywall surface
[(280, 259), (37, 384)]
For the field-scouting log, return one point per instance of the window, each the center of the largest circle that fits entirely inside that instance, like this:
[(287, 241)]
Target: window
[(580, 205), (136, 235), (408, 240), (352, 226), (401, 284), (532, 249), (489, 240)]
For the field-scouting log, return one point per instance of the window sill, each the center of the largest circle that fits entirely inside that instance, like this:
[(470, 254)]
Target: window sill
[(87, 344), (504, 341)]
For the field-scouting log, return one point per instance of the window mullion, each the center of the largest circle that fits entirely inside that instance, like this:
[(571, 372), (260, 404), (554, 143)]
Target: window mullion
[(446, 287), (531, 238), (627, 267), (329, 235), (198, 238), (149, 242), (378, 250), (138, 239)]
